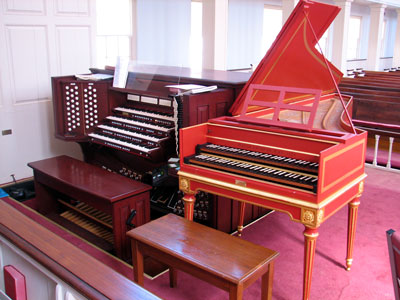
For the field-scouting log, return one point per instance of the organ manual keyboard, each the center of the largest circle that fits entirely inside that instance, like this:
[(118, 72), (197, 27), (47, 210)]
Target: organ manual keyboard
[(290, 145)]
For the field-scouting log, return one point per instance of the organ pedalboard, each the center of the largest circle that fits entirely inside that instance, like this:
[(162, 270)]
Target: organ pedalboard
[(169, 199), (202, 208)]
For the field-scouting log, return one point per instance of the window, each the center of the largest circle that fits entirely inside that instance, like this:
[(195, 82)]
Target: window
[(353, 45), (323, 44), (272, 24), (114, 31), (196, 35), (382, 39)]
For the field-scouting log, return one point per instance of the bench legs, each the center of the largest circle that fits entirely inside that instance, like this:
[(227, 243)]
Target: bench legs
[(138, 268), (266, 283), (172, 277), (137, 261), (236, 292)]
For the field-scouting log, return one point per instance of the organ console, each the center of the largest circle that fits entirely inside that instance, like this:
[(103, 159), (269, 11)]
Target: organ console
[(290, 145), (133, 131)]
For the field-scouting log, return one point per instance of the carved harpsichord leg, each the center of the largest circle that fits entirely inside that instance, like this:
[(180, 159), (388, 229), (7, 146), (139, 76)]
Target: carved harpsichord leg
[(189, 200), (351, 230), (310, 241), (242, 206)]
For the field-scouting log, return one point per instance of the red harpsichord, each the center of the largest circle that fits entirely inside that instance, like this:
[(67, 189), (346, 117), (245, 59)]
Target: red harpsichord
[(290, 144)]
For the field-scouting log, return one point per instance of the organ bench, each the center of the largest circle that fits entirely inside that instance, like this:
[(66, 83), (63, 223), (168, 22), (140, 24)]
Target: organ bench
[(97, 194)]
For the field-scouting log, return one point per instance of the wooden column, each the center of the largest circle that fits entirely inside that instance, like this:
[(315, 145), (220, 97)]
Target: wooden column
[(340, 35), (396, 52), (215, 34), (374, 42)]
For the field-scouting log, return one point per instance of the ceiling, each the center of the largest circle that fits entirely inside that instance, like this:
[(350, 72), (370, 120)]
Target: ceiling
[(388, 3)]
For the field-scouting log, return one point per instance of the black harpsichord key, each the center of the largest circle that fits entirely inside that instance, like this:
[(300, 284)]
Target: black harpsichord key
[(255, 170), (259, 157)]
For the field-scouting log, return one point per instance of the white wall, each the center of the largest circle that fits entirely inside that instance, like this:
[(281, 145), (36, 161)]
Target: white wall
[(38, 39)]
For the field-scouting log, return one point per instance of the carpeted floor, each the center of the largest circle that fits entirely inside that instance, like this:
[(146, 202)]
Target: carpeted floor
[(369, 278)]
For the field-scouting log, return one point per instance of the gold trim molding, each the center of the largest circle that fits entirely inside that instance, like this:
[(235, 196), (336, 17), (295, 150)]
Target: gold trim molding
[(185, 178), (360, 188), (184, 185), (312, 218)]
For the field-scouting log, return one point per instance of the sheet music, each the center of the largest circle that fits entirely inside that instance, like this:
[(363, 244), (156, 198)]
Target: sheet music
[(121, 72), (93, 77), (192, 88)]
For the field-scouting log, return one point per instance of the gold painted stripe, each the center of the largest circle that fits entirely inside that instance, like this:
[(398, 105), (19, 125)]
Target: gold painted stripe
[(271, 196), (310, 50), (329, 157), (244, 190)]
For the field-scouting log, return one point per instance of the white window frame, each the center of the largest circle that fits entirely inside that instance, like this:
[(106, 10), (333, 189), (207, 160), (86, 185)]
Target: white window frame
[(382, 38), (196, 46), (358, 44), (105, 41), (264, 47)]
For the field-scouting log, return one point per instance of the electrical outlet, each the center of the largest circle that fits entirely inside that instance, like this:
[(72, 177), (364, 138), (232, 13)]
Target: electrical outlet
[(6, 132)]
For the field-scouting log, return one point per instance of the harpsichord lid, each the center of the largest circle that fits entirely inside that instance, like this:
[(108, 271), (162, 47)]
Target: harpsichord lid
[(293, 61)]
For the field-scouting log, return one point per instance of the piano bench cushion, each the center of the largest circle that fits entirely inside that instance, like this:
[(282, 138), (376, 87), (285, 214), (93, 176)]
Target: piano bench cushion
[(208, 254)]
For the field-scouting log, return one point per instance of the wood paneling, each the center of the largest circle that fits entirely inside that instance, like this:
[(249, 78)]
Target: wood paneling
[(74, 56), (25, 7), (72, 7), (28, 53)]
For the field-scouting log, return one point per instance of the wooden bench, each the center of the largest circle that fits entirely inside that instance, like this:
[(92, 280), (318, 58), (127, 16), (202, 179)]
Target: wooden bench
[(110, 193), (227, 262)]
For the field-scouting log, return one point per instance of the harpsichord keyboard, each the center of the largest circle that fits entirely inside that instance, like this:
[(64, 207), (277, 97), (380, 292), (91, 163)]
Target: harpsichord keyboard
[(278, 169)]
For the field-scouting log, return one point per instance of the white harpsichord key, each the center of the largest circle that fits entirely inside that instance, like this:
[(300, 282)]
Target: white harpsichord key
[(142, 124), (121, 143), (145, 113), (133, 134)]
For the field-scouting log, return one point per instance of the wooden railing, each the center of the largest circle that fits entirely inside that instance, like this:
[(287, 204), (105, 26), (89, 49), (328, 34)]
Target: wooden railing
[(54, 268), (376, 109)]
